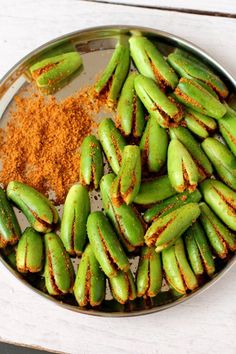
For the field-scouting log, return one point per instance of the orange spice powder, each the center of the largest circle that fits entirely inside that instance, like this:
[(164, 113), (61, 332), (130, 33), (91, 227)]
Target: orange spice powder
[(40, 145)]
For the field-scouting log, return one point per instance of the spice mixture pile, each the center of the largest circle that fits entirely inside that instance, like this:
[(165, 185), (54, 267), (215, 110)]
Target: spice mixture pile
[(40, 145)]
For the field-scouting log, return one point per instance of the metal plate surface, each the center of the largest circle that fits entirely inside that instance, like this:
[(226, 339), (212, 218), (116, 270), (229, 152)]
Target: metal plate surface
[(96, 45)]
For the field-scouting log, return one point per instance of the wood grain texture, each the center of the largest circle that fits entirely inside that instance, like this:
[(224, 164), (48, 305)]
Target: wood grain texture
[(204, 324), (226, 6)]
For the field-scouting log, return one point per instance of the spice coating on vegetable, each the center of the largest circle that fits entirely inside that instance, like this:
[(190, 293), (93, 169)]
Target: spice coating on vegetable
[(165, 177)]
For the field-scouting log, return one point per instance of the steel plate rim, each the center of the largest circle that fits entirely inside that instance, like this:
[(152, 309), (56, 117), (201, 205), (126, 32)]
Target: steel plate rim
[(164, 34), (183, 299), (96, 313)]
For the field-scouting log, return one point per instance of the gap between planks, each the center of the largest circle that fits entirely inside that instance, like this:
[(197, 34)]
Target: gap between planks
[(171, 9)]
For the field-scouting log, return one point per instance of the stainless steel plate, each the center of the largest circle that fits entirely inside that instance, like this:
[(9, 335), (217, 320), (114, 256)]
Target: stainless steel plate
[(95, 45)]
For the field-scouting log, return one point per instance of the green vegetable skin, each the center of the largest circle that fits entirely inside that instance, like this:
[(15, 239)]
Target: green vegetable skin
[(52, 72), (227, 127), (123, 287), (125, 186), (105, 245), (154, 191), (29, 254), (74, 219), (221, 239), (58, 270), (222, 159), (130, 113), (192, 145), (91, 162), (190, 93), (90, 282), (153, 145), (158, 162), (198, 250), (116, 70), (182, 170), (170, 204), (150, 62), (40, 212), (165, 109), (149, 273), (177, 269), (164, 231), (9, 228), (189, 68), (125, 219), (112, 142), (222, 201), (199, 123)]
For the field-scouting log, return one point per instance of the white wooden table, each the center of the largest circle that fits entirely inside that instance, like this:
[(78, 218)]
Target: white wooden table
[(207, 323)]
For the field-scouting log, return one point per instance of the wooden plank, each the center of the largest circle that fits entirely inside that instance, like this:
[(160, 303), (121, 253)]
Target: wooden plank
[(221, 7), (29, 319)]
